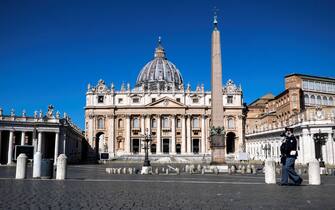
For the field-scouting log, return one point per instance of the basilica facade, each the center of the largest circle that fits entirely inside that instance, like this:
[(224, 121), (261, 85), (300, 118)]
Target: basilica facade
[(177, 117)]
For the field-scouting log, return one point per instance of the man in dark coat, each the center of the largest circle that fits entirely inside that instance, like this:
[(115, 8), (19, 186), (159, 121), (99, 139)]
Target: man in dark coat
[(289, 154)]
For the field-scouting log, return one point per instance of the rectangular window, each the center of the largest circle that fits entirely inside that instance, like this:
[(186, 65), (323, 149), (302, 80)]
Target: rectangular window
[(100, 99), (136, 100), (305, 84), (120, 100), (195, 100), (178, 99), (178, 123), (210, 101), (229, 99), (153, 100)]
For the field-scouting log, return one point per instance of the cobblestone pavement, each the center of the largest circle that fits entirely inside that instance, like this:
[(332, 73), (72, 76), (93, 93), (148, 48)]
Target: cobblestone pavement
[(89, 187)]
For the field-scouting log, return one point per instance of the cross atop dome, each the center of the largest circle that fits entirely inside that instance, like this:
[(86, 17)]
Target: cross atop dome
[(159, 51)]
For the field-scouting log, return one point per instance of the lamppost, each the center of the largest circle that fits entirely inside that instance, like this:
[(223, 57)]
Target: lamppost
[(266, 148), (146, 168)]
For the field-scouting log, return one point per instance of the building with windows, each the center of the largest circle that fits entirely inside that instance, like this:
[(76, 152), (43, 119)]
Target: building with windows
[(177, 117), (307, 105), (49, 134)]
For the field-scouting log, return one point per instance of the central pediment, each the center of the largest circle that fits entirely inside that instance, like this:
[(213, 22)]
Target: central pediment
[(166, 102)]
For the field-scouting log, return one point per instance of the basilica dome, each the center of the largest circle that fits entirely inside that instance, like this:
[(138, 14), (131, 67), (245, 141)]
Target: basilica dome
[(159, 73)]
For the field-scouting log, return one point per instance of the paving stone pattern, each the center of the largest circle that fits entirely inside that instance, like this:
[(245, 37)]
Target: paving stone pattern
[(89, 187)]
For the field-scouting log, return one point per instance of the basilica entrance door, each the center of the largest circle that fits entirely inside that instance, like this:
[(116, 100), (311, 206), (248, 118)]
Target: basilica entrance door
[(166, 146), (136, 146), (195, 146)]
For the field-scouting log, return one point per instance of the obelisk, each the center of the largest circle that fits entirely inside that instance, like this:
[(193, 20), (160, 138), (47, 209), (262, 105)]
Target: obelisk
[(217, 123)]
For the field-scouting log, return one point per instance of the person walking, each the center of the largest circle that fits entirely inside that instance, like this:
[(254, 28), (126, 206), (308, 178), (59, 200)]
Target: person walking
[(289, 154)]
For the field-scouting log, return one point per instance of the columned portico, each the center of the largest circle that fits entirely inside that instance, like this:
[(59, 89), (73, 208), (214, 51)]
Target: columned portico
[(23, 135), (173, 138), (10, 148), (189, 139), (203, 134), (127, 140), (142, 134), (159, 145), (183, 135), (56, 147)]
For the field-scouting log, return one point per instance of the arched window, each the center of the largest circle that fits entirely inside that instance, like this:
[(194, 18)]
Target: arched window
[(153, 123), (166, 123), (324, 100), (231, 123), (136, 122), (120, 123), (101, 123), (195, 122), (306, 99), (312, 100), (331, 101), (318, 100)]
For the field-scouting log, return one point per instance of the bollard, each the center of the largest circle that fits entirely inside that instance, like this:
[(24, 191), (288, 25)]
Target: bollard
[(248, 169), (270, 171), (199, 168), (157, 171), (124, 171), (130, 170), (243, 170), (232, 169), (253, 169), (187, 169), (163, 170), (216, 171), (61, 167), (203, 171), (167, 171), (37, 165), (314, 172), (177, 171), (108, 170), (21, 166)]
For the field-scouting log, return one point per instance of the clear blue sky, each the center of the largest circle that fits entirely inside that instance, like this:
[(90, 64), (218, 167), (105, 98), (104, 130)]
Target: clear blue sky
[(51, 50)]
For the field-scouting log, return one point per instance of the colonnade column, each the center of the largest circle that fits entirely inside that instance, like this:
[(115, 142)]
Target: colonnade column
[(23, 135), (143, 133), (188, 127), (10, 148), (183, 135), (39, 142), (56, 147), (203, 134), (301, 152), (127, 140), (159, 147), (330, 149), (173, 125), (111, 139)]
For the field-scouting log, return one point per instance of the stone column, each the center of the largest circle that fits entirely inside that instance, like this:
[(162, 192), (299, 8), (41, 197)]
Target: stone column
[(10, 148), (39, 142), (64, 143), (143, 133), (312, 147), (330, 149), (21, 167), (23, 135), (91, 129), (128, 131), (189, 139), (173, 127), (159, 147), (183, 135), (301, 152), (306, 147), (56, 147), (203, 134), (111, 142)]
